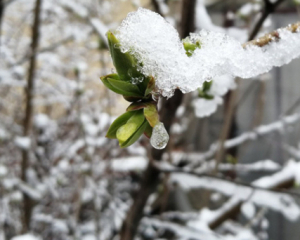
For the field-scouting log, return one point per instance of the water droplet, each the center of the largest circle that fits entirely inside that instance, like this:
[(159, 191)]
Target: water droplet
[(113, 70), (160, 137)]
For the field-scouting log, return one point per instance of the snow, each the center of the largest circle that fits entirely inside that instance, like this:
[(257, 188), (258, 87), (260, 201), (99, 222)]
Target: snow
[(248, 210), (156, 44), (60, 225), (3, 171), (280, 202), (203, 21), (41, 121), (265, 224), (163, 7), (25, 237), (22, 142), (100, 28), (249, 8), (75, 7), (160, 137), (204, 107), (29, 191), (3, 134), (89, 237), (129, 164), (182, 232), (263, 165)]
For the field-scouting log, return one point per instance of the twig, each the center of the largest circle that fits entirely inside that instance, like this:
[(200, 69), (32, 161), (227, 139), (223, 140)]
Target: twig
[(29, 92), (212, 176)]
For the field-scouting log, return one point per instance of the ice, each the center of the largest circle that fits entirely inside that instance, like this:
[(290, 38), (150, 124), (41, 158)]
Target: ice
[(160, 136), (157, 46)]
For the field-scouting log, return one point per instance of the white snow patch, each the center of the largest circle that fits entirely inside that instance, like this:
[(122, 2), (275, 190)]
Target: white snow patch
[(3, 171), (248, 210), (129, 164), (22, 142), (41, 121), (25, 237)]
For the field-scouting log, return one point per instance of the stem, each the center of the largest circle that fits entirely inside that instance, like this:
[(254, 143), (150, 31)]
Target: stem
[(167, 115)]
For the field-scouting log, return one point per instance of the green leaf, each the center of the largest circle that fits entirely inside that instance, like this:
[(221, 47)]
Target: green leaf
[(135, 136), (132, 130), (126, 88), (205, 95), (120, 121), (107, 84), (151, 114), (132, 99), (148, 130), (206, 86), (125, 63)]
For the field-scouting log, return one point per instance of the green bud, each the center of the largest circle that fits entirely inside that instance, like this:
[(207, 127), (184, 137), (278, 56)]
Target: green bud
[(113, 82), (190, 47), (120, 121), (132, 130), (125, 63)]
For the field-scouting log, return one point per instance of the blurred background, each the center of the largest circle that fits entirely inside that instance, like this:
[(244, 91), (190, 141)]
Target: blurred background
[(60, 178)]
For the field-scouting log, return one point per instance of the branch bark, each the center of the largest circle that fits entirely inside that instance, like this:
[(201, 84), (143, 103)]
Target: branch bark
[(29, 92)]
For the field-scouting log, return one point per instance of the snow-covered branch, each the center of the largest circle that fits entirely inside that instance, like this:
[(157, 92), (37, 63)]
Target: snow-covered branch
[(143, 31)]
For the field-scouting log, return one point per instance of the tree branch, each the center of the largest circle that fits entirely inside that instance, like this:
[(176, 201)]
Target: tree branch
[(273, 36), (29, 93)]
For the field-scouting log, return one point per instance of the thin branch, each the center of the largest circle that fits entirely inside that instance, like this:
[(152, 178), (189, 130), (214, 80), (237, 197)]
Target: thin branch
[(29, 92), (238, 183), (269, 8), (270, 37), (240, 139)]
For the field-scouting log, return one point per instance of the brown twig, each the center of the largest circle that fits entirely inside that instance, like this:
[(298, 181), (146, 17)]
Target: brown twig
[(29, 92)]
